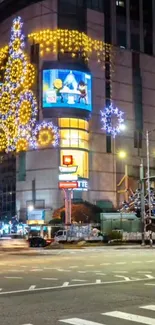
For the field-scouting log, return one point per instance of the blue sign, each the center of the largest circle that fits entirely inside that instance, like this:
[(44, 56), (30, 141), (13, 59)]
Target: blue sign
[(67, 89)]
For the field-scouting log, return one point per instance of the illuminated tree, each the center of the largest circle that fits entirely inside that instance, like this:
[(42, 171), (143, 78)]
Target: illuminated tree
[(19, 130)]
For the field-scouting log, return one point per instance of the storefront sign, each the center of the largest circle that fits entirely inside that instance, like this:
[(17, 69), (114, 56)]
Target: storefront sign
[(82, 186), (67, 160), (68, 169), (68, 177), (36, 215), (68, 185)]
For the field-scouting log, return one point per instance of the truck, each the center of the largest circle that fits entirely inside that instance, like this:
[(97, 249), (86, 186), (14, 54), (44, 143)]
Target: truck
[(76, 233)]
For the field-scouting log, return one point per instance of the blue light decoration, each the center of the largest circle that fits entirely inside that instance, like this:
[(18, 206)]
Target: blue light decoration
[(106, 118), (43, 134), (19, 128)]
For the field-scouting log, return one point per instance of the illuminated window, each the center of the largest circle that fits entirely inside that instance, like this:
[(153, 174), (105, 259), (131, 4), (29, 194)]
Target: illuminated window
[(73, 123), (74, 138), (80, 159), (120, 3)]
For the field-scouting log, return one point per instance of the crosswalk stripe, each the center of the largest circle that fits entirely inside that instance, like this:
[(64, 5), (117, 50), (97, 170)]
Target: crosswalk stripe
[(130, 317), (79, 321), (149, 307)]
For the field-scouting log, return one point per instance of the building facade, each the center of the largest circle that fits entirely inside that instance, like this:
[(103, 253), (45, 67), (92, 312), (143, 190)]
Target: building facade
[(124, 76)]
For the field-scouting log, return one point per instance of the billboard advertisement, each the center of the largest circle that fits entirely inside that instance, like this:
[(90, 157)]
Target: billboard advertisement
[(63, 88)]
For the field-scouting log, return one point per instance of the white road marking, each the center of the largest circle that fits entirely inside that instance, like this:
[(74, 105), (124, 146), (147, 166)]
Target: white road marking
[(136, 262), (49, 268), (36, 270), (78, 280), (120, 271), (120, 263), (73, 267), (144, 272), (105, 264), (71, 286), (62, 270), (79, 321), (150, 307), (89, 265), (32, 287), (98, 273), (98, 281), (82, 271), (16, 271), (131, 317), (150, 261), (149, 276), (13, 277), (149, 284), (124, 277), (53, 279), (65, 284)]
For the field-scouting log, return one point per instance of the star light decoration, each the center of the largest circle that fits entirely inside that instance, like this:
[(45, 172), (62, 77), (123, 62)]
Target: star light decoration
[(106, 118), (19, 130)]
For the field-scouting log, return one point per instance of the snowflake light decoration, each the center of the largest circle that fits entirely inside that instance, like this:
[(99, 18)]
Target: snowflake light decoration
[(106, 118)]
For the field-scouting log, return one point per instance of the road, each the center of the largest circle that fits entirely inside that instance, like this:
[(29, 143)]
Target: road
[(88, 287)]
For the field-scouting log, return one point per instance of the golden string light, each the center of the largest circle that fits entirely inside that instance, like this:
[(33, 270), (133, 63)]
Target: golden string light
[(29, 76), (45, 137), (11, 127), (3, 140), (22, 145), (25, 112), (71, 41), (5, 103), (16, 71)]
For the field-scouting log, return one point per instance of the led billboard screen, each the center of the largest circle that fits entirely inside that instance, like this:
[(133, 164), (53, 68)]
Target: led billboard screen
[(67, 89)]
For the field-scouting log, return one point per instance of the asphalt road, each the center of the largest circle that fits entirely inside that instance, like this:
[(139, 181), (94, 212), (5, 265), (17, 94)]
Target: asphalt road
[(91, 287)]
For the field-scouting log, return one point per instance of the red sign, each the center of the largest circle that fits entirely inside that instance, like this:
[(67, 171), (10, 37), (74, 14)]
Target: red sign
[(68, 185), (67, 160)]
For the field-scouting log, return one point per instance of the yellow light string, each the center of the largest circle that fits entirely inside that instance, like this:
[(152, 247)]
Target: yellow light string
[(45, 137), (25, 112), (22, 145), (3, 140), (71, 41)]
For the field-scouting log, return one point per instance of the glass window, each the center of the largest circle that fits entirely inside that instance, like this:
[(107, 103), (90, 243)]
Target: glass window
[(74, 138), (80, 159), (64, 122), (64, 138), (74, 123)]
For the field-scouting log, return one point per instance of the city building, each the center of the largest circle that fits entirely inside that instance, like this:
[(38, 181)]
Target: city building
[(113, 52)]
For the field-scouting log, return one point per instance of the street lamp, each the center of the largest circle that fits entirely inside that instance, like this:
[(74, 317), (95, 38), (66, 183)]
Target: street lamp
[(122, 154), (30, 208)]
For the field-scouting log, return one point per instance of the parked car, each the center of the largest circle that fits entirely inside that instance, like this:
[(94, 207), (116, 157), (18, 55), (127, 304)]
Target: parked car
[(13, 242), (39, 241)]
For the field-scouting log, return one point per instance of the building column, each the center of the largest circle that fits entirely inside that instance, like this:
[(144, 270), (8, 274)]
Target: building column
[(113, 22), (141, 26), (153, 15), (128, 38)]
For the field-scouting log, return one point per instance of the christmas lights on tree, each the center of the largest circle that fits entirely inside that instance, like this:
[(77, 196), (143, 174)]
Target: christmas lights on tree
[(107, 116), (19, 130)]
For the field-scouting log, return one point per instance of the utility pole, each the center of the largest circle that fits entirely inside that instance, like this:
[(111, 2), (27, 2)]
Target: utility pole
[(148, 181), (142, 202)]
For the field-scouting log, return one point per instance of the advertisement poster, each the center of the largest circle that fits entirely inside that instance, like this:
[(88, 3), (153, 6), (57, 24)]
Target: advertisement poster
[(67, 88)]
